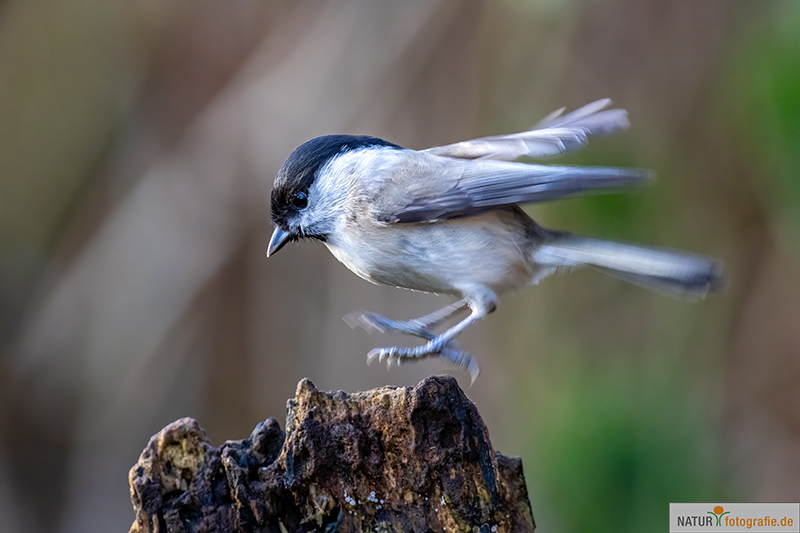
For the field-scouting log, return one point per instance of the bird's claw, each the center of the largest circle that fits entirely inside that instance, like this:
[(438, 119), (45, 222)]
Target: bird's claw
[(389, 355), (368, 321), (372, 322), (396, 356)]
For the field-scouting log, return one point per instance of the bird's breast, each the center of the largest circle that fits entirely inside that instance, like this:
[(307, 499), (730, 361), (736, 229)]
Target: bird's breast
[(491, 250)]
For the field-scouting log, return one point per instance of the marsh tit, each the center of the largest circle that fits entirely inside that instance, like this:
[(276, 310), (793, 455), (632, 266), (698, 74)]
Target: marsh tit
[(447, 220)]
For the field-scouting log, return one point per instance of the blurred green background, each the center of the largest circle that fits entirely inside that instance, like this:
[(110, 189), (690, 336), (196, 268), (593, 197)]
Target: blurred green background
[(138, 144)]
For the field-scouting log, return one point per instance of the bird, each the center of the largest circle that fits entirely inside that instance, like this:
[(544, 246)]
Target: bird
[(447, 220)]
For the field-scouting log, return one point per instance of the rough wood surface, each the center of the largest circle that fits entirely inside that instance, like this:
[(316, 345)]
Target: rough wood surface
[(390, 459)]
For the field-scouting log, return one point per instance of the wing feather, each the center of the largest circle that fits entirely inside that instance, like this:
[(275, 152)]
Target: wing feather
[(554, 135), (477, 186)]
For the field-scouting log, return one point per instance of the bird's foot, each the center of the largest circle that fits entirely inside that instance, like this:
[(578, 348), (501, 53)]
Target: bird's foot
[(371, 322), (396, 356), (435, 347)]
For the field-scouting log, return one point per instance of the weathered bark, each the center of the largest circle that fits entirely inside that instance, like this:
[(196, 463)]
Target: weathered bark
[(390, 459)]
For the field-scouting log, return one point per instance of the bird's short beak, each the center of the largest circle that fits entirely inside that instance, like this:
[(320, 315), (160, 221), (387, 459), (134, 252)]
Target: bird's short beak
[(278, 241)]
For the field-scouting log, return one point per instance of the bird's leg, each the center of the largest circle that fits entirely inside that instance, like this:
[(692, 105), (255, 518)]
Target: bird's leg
[(420, 327), (481, 301)]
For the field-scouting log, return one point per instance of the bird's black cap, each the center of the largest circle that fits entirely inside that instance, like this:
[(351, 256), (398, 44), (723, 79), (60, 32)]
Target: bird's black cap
[(300, 169)]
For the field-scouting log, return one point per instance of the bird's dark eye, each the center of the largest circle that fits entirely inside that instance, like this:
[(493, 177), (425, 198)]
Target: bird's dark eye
[(300, 200)]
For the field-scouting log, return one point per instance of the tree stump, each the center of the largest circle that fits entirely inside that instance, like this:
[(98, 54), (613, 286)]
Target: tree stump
[(390, 459)]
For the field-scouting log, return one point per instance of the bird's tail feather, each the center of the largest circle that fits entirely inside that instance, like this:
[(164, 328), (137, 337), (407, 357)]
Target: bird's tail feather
[(678, 273)]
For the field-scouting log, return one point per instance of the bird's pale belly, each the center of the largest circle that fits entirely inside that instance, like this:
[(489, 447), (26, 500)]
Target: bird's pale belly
[(489, 250)]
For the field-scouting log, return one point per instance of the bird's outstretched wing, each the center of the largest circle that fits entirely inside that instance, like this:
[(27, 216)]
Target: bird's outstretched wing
[(553, 135), (473, 187)]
